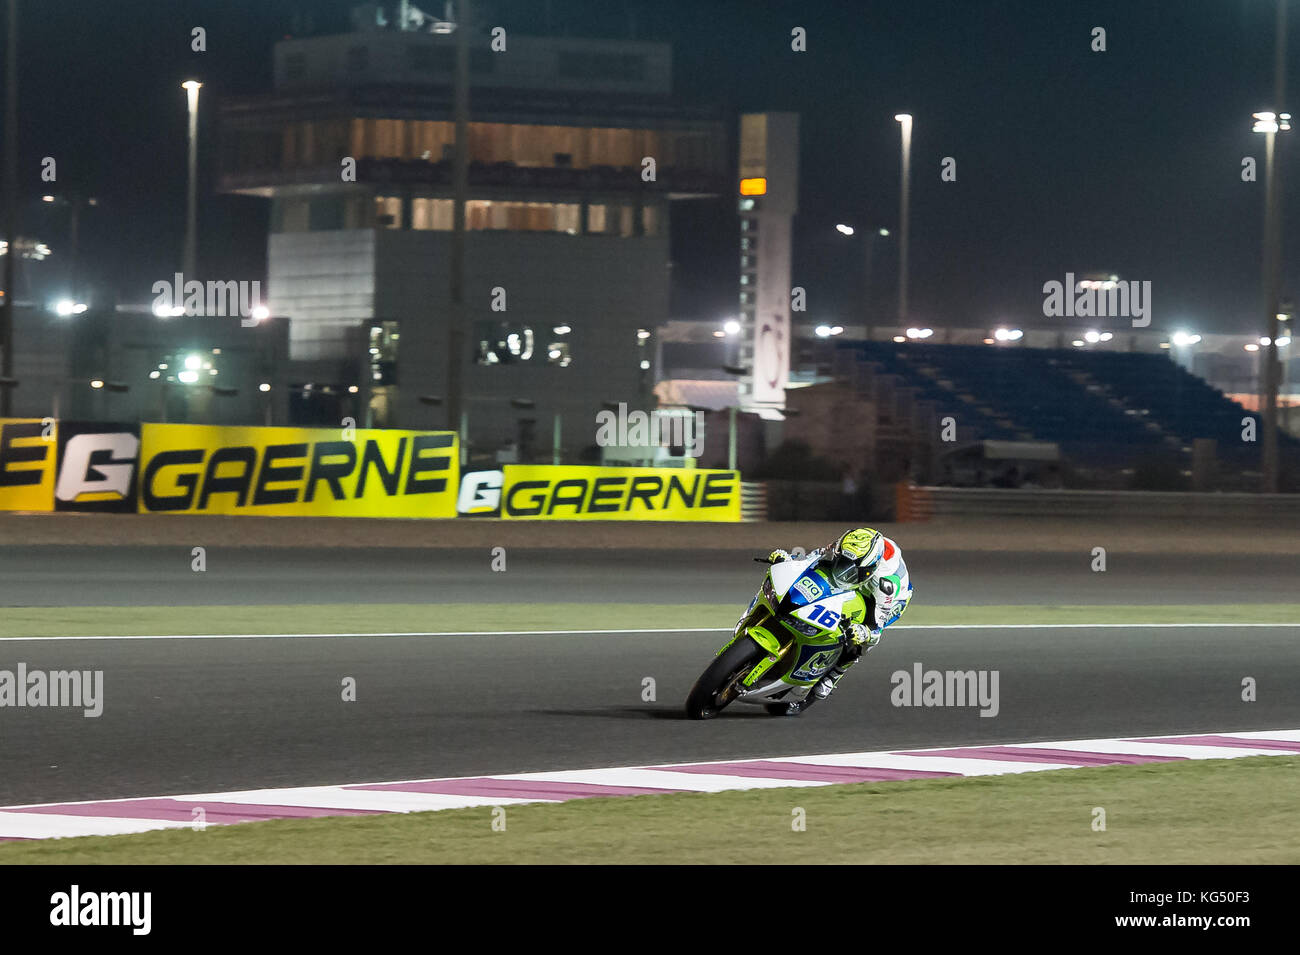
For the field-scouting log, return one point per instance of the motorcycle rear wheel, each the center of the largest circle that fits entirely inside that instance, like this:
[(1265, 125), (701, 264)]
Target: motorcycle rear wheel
[(719, 684)]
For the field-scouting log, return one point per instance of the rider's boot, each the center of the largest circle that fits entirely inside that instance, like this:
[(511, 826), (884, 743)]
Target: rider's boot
[(826, 685)]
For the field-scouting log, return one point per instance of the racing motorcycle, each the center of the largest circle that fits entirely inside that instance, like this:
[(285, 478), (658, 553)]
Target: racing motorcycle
[(792, 633)]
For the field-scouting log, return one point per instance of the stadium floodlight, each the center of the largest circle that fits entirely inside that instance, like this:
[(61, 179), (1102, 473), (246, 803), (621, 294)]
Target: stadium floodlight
[(1267, 121)]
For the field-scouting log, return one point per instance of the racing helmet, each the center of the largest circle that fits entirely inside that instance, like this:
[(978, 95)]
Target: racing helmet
[(854, 556)]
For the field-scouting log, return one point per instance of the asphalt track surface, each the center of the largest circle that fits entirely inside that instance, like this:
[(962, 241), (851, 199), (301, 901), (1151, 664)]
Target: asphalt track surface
[(185, 716)]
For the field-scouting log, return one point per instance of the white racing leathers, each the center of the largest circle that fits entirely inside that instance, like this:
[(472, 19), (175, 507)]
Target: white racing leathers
[(888, 589)]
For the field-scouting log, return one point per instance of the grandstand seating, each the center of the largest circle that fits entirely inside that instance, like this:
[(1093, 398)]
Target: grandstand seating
[(1104, 408)]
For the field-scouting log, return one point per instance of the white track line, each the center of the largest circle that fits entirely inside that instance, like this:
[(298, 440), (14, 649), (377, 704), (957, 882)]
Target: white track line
[(545, 633)]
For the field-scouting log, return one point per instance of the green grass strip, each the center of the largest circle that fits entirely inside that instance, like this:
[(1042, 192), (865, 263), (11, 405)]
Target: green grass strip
[(478, 617)]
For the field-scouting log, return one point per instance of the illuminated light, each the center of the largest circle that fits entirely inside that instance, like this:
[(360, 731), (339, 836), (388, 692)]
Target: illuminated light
[(265, 386), (719, 334), (192, 362), (155, 374), (189, 377), (374, 351), (561, 329), (352, 389), (732, 327), (1077, 343), (212, 371), (97, 383), (822, 331), (1183, 339), (642, 334), (65, 306), (843, 229), (1091, 337), (1284, 340), (1251, 347), (1283, 317), (1164, 344), (1265, 340), (162, 365), (837, 329), (554, 353), (913, 333), (988, 341), (753, 187), (902, 117), (1107, 336), (191, 85), (207, 365), (261, 313), (884, 232), (900, 339), (1016, 334), (216, 351), (645, 364), (47, 198)]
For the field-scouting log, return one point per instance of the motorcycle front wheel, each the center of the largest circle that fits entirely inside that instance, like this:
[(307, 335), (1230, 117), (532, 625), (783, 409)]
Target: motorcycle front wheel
[(719, 684)]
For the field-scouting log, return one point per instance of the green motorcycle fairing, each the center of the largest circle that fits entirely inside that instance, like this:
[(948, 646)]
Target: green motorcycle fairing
[(807, 638)]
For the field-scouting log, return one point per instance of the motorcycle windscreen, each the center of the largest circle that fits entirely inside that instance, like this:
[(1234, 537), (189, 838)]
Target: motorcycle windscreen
[(808, 587)]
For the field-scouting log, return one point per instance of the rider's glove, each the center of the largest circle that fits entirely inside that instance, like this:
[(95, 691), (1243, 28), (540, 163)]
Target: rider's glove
[(861, 636), (777, 556)]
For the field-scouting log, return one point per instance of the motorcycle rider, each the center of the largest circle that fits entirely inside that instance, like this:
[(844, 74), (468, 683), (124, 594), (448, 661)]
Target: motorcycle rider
[(870, 564)]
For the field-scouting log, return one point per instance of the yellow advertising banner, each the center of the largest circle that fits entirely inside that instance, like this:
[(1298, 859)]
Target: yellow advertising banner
[(338, 472), (549, 492), (28, 449)]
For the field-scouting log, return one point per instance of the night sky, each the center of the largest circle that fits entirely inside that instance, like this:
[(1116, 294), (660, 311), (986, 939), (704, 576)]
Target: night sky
[(1067, 160)]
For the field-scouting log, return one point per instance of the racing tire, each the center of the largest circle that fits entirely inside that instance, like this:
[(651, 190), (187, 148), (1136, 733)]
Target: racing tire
[(719, 684)]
